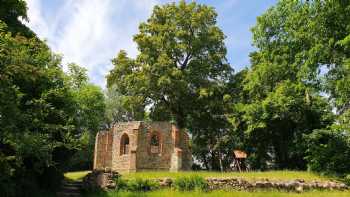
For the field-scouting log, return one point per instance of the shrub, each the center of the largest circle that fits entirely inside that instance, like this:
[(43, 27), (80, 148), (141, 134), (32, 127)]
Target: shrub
[(121, 184), (347, 179), (190, 183), (136, 185), (329, 151)]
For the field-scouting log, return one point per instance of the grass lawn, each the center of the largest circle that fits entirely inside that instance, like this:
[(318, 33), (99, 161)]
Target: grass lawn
[(272, 175), (171, 193), (76, 175)]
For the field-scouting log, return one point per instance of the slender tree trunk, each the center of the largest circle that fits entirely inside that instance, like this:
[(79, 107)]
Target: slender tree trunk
[(220, 162)]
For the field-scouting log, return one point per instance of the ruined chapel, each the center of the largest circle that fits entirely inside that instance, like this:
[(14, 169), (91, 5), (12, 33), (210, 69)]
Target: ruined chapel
[(139, 146)]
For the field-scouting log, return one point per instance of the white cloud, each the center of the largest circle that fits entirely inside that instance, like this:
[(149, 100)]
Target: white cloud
[(89, 32)]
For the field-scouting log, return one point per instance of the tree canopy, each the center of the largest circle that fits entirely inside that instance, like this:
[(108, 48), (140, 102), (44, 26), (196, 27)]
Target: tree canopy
[(182, 58), (301, 55), (44, 112)]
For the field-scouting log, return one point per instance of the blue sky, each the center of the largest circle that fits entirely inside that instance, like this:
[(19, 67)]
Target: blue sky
[(91, 32)]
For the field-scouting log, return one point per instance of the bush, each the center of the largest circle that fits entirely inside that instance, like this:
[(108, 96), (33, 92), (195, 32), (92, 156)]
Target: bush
[(142, 185), (136, 185), (329, 152), (347, 179), (190, 183), (121, 184)]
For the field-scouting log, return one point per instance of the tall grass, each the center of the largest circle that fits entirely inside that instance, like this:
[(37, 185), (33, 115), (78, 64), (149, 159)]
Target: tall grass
[(190, 183)]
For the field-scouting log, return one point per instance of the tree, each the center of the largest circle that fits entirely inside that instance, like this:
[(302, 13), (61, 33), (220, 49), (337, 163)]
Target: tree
[(182, 55), (329, 149), (42, 119), (295, 41), (88, 117), (36, 110), (180, 75), (277, 123), (77, 76), (306, 37), (119, 109), (11, 12)]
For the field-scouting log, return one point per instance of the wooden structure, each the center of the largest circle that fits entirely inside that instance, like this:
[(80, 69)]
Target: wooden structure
[(239, 160)]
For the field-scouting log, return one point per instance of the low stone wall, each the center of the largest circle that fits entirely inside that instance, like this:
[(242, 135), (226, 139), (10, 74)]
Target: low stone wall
[(100, 180), (297, 185), (106, 180)]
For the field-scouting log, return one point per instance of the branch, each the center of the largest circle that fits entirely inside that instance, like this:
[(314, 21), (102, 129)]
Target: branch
[(185, 62)]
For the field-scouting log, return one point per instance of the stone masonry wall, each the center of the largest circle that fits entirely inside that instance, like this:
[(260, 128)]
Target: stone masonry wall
[(186, 151), (172, 153), (146, 160), (126, 162), (103, 151)]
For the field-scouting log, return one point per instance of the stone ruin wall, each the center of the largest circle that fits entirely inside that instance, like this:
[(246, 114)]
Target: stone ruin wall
[(125, 163), (103, 150), (186, 155), (174, 153), (146, 160)]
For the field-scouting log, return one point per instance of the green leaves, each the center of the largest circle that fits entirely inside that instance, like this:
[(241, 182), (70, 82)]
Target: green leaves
[(301, 55), (182, 52), (180, 75)]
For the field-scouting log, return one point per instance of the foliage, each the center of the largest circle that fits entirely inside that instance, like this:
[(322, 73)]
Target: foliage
[(277, 123), (302, 52), (182, 58), (190, 183), (180, 74), (42, 119), (120, 108), (36, 109), (287, 38), (142, 185), (88, 117), (11, 11), (136, 185), (347, 179), (329, 149), (121, 184)]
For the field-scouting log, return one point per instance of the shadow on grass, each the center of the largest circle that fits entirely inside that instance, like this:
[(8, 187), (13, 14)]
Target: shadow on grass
[(112, 193)]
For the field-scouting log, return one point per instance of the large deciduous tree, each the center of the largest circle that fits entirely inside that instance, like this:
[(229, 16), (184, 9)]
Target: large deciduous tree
[(180, 75), (88, 117), (42, 115), (182, 56), (36, 110), (297, 42)]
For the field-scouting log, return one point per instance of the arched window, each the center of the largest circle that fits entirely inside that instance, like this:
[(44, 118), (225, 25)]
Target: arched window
[(124, 144), (155, 145)]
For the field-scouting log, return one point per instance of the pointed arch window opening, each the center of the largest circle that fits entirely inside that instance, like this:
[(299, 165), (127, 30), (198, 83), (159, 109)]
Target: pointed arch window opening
[(155, 143), (124, 145)]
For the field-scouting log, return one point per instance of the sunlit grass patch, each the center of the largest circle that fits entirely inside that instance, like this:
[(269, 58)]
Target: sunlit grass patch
[(271, 175), (76, 175)]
